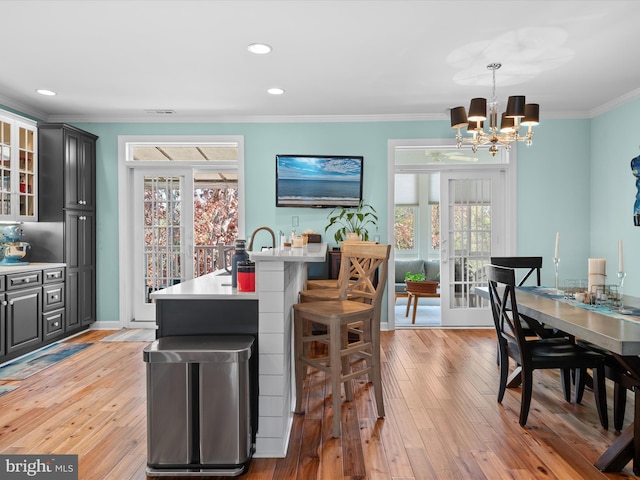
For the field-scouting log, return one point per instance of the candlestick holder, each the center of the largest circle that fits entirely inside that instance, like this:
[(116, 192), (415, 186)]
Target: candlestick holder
[(622, 310), (556, 263)]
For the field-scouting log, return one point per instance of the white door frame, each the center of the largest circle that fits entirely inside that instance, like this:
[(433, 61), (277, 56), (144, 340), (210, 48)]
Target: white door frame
[(125, 214), (509, 166), (145, 312), (456, 312)]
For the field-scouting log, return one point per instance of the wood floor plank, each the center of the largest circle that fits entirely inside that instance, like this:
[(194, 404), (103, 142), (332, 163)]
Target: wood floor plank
[(442, 418)]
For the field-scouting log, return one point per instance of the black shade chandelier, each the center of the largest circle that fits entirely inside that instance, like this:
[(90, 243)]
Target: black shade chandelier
[(518, 114)]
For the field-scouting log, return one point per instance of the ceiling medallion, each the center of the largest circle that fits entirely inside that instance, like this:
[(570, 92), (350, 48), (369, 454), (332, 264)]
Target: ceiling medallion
[(518, 114)]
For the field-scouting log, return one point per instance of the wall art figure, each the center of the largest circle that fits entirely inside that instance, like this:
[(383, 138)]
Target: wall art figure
[(635, 168)]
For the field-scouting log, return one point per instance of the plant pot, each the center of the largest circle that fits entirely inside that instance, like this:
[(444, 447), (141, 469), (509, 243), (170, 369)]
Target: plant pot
[(353, 237), (426, 286)]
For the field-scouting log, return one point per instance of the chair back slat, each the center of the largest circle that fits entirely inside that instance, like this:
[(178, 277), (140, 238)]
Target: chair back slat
[(506, 319), (530, 264), (359, 262)]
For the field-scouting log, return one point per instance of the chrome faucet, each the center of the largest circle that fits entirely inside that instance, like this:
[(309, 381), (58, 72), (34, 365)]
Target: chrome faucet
[(273, 237)]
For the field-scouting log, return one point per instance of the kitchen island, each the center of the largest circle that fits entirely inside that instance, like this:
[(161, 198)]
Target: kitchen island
[(208, 305)]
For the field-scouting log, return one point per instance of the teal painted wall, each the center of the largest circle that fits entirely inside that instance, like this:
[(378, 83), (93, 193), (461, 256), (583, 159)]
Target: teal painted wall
[(553, 196), (614, 143), (556, 186)]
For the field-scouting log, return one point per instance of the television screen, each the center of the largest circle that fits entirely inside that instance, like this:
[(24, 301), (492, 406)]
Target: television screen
[(318, 181)]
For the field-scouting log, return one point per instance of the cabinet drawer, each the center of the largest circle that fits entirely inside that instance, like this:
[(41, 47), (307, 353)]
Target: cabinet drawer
[(53, 322), (53, 275), (25, 279), (2, 283), (53, 297)]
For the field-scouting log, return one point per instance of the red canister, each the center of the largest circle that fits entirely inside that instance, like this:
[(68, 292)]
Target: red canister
[(246, 276)]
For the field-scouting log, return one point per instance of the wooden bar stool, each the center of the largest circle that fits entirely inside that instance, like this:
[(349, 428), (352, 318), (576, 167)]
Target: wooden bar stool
[(360, 315), (331, 283)]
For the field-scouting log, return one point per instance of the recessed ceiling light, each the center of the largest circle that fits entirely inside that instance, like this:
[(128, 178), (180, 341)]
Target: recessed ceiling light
[(275, 91), (259, 48), (42, 91)]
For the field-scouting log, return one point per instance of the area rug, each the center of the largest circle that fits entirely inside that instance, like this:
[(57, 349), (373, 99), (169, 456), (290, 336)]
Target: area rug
[(7, 388), (37, 361), (132, 335), (428, 314)]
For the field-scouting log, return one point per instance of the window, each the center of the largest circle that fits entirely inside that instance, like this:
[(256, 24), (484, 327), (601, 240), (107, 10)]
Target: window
[(405, 230)]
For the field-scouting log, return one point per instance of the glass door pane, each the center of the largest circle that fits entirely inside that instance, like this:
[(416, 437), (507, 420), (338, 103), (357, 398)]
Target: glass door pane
[(5, 168), (472, 226), (163, 231), (163, 249), (27, 169)]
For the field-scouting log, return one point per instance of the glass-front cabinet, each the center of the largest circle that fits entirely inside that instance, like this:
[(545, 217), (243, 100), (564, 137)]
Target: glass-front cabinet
[(18, 169)]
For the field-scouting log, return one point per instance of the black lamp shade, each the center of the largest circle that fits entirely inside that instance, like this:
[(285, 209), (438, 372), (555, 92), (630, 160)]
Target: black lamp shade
[(475, 126), (478, 110), (531, 114), (458, 117), (506, 124), (515, 106)]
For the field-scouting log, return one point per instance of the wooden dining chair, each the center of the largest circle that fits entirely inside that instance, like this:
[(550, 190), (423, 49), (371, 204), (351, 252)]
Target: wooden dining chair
[(616, 372), (538, 353), (531, 267), (356, 310)]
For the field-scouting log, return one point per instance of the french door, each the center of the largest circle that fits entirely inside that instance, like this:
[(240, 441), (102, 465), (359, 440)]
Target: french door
[(163, 235), (473, 228)]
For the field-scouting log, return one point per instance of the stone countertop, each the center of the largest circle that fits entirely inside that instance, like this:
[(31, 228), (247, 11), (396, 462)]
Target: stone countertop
[(217, 285), (312, 252), (28, 267), (207, 287)]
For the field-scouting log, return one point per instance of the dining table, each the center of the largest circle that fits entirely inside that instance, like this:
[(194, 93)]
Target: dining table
[(605, 326)]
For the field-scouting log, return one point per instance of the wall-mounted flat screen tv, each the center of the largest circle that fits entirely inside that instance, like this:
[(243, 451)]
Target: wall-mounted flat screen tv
[(318, 181)]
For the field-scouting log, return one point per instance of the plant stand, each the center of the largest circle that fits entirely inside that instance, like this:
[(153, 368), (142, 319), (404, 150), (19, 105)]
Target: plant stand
[(416, 290)]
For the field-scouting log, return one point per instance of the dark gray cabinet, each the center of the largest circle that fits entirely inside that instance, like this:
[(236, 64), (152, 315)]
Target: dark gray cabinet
[(53, 303), (23, 318), (81, 267), (66, 170), (32, 310), (66, 231), (23, 310), (80, 178)]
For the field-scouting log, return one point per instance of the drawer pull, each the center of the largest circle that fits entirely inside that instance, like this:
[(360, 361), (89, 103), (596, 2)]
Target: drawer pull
[(10, 302), (26, 280), (55, 324)]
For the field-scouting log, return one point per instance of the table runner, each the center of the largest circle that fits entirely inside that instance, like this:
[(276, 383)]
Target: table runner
[(549, 292)]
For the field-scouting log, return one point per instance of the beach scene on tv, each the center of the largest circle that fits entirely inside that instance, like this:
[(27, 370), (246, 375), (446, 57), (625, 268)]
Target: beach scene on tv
[(303, 181)]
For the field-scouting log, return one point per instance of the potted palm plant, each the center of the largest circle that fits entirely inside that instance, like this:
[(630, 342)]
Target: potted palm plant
[(352, 223)]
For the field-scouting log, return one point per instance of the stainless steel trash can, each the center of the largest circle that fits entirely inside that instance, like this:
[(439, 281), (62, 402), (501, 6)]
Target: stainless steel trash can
[(198, 405)]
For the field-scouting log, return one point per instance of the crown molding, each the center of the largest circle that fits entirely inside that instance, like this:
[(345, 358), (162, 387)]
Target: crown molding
[(616, 102), (178, 118), (22, 109)]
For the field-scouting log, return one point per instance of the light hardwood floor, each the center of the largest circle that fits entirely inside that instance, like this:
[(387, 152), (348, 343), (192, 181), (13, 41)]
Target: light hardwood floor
[(442, 419)]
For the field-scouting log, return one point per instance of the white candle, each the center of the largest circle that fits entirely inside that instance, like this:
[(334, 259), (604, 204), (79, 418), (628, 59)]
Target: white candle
[(620, 266), (557, 243)]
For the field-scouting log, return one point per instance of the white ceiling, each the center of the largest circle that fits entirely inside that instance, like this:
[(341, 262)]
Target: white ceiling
[(357, 59)]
